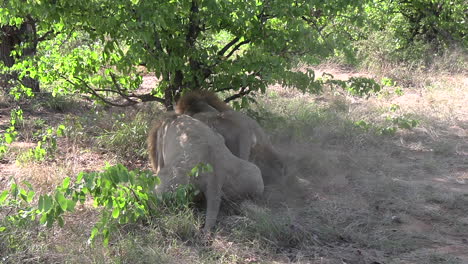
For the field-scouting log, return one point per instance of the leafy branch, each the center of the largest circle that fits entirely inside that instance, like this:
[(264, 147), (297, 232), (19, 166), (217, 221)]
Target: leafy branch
[(124, 197), (129, 97)]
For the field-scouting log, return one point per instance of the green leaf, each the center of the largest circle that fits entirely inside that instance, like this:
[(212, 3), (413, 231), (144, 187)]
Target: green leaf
[(14, 190), (66, 183), (116, 212), (43, 219), (60, 221), (60, 130), (124, 176), (62, 201), (30, 196), (106, 235), (17, 21), (131, 177), (9, 137), (71, 205), (2, 228), (50, 220), (93, 234), (3, 148), (28, 184), (23, 195), (90, 181), (79, 177), (47, 202), (194, 172), (40, 204), (3, 196)]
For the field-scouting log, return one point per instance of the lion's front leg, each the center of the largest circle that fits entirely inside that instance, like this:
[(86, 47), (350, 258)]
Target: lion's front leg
[(213, 201)]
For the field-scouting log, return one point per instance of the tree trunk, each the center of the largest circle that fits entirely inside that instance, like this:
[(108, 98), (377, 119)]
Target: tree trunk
[(10, 37), (7, 42), (172, 93), (31, 83), (169, 99)]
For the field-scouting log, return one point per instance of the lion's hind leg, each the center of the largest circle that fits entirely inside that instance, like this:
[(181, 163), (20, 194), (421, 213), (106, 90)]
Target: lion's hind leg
[(245, 180)]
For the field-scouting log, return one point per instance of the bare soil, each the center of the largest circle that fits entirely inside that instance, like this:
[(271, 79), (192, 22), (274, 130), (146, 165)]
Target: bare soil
[(414, 182)]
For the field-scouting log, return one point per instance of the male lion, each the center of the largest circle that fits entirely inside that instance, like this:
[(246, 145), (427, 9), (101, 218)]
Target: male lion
[(244, 136), (180, 143), (237, 135)]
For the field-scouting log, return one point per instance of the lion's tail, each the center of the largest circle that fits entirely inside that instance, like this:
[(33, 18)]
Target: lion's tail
[(189, 102), (155, 141), (153, 146)]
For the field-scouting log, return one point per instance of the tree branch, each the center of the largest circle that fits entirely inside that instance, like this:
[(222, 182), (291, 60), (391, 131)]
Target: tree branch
[(237, 47), (229, 45), (223, 89), (243, 91), (130, 97), (44, 37), (95, 93), (148, 98)]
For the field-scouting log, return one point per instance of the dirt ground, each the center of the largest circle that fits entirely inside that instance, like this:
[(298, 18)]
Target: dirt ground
[(414, 182), (371, 198)]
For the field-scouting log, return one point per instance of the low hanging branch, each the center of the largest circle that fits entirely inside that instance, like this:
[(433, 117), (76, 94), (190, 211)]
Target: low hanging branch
[(243, 91), (131, 98)]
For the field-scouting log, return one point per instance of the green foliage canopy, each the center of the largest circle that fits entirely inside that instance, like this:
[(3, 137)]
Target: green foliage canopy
[(94, 47), (415, 30)]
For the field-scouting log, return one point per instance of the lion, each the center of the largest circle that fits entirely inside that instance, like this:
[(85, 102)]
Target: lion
[(237, 134), (244, 136), (179, 143)]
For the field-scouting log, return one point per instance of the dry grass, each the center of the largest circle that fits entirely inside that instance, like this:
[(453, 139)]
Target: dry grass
[(373, 198)]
